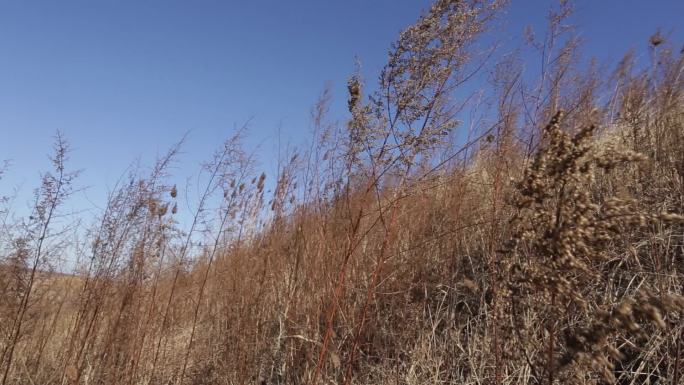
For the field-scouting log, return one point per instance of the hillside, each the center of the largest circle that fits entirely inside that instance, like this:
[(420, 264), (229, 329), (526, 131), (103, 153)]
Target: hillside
[(413, 244)]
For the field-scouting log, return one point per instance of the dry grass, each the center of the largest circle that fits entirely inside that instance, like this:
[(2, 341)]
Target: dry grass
[(546, 248)]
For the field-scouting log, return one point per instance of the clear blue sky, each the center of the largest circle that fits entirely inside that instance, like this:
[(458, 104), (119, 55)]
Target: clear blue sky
[(125, 79)]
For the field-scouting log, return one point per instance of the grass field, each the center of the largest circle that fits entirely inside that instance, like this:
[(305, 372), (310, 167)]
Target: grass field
[(547, 247)]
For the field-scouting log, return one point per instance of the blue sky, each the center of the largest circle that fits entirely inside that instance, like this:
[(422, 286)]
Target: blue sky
[(125, 79)]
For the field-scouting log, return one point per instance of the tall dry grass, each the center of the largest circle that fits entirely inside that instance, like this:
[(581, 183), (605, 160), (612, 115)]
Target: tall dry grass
[(546, 247)]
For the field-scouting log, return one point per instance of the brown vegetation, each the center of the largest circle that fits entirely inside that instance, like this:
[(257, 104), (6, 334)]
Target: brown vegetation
[(547, 247)]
